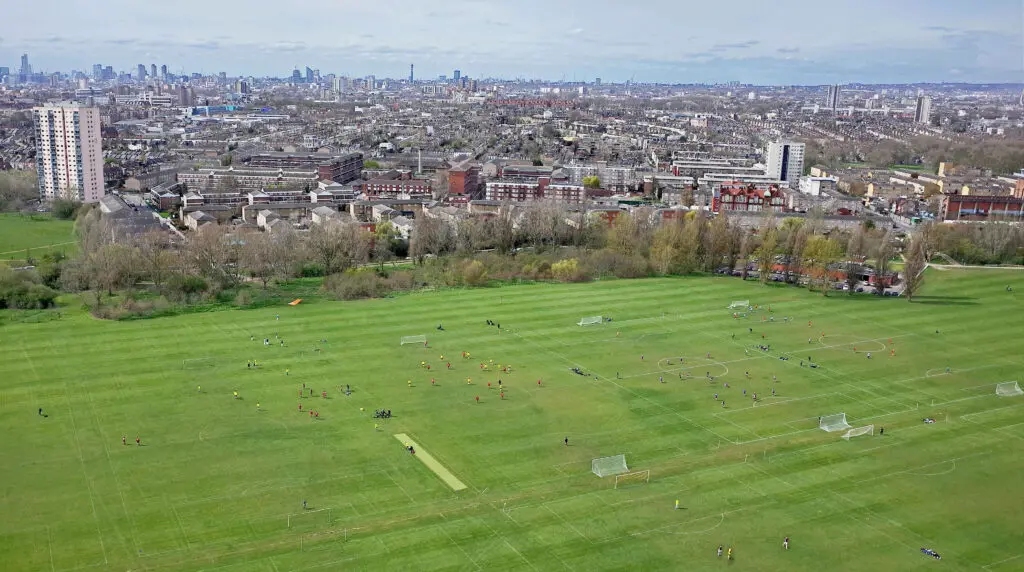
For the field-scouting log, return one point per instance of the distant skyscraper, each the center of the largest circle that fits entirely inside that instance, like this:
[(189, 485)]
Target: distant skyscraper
[(458, 75), (163, 71), (309, 74), (4, 72), (141, 74), (923, 112), (152, 71), (412, 76), (832, 97), (296, 76), (69, 152), (371, 82), (597, 81), (786, 161), (25, 69), (241, 87), (97, 72)]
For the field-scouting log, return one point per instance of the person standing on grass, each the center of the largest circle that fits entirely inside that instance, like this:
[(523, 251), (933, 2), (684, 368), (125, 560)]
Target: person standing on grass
[(138, 441), (728, 554), (566, 441), (124, 440), (881, 431), (785, 543), (677, 504), (719, 550)]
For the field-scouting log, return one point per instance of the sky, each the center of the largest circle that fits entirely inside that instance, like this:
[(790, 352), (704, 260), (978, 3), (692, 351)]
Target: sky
[(764, 42)]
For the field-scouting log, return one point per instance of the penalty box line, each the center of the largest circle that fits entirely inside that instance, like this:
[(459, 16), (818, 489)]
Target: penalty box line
[(433, 464)]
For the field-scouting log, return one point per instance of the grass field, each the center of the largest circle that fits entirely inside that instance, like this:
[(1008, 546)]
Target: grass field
[(219, 484), (40, 233)]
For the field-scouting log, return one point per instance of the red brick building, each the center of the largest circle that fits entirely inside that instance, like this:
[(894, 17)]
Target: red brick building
[(464, 180), (980, 208), (736, 197)]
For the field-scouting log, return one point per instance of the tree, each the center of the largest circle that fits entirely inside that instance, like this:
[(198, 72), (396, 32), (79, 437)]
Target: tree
[(592, 182), (913, 267), (766, 253), (258, 255), (430, 236), (882, 264), (819, 255), (212, 254), (384, 237), (326, 245), (156, 256)]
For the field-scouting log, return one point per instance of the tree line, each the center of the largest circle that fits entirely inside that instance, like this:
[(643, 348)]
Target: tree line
[(121, 275)]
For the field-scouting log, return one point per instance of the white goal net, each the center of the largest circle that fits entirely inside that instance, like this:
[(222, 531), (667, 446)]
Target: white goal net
[(858, 431), (1008, 389), (607, 466), (590, 320), (414, 340), (311, 519), (833, 423), (633, 478), (739, 304)]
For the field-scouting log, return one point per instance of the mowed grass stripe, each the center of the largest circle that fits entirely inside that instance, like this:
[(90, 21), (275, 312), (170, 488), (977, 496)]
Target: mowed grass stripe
[(433, 464)]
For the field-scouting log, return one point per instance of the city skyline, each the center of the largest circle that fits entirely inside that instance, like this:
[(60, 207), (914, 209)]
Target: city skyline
[(788, 42)]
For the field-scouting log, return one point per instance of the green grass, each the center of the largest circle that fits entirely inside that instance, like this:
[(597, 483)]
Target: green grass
[(40, 233), (217, 483)]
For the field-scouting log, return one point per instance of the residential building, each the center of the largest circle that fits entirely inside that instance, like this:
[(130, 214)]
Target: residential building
[(785, 161), (832, 97), (337, 168), (923, 111), (748, 198), (69, 152), (413, 189), (967, 207), (464, 180)]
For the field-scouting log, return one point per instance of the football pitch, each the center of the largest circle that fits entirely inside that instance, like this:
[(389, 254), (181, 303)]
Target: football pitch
[(253, 483)]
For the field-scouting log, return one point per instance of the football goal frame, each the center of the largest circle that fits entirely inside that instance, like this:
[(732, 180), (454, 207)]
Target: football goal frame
[(312, 517), (198, 363), (608, 466), (1008, 389), (420, 339), (590, 321), (833, 423), (858, 431), (634, 477), (739, 304)]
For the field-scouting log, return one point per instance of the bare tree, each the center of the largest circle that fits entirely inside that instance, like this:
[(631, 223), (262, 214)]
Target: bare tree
[(209, 255), (157, 256), (430, 236), (913, 267), (327, 246), (257, 256), (766, 253), (882, 264)]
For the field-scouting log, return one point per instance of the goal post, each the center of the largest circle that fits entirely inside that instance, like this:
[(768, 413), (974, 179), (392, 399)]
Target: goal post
[(311, 519), (633, 478), (198, 363), (1008, 389), (832, 423), (422, 339), (739, 304), (858, 431), (590, 320), (608, 466)]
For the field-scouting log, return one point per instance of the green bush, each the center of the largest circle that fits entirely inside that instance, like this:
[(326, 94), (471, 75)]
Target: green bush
[(24, 291), (65, 209)]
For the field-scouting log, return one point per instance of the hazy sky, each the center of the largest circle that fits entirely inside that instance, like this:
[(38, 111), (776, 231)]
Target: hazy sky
[(755, 41)]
